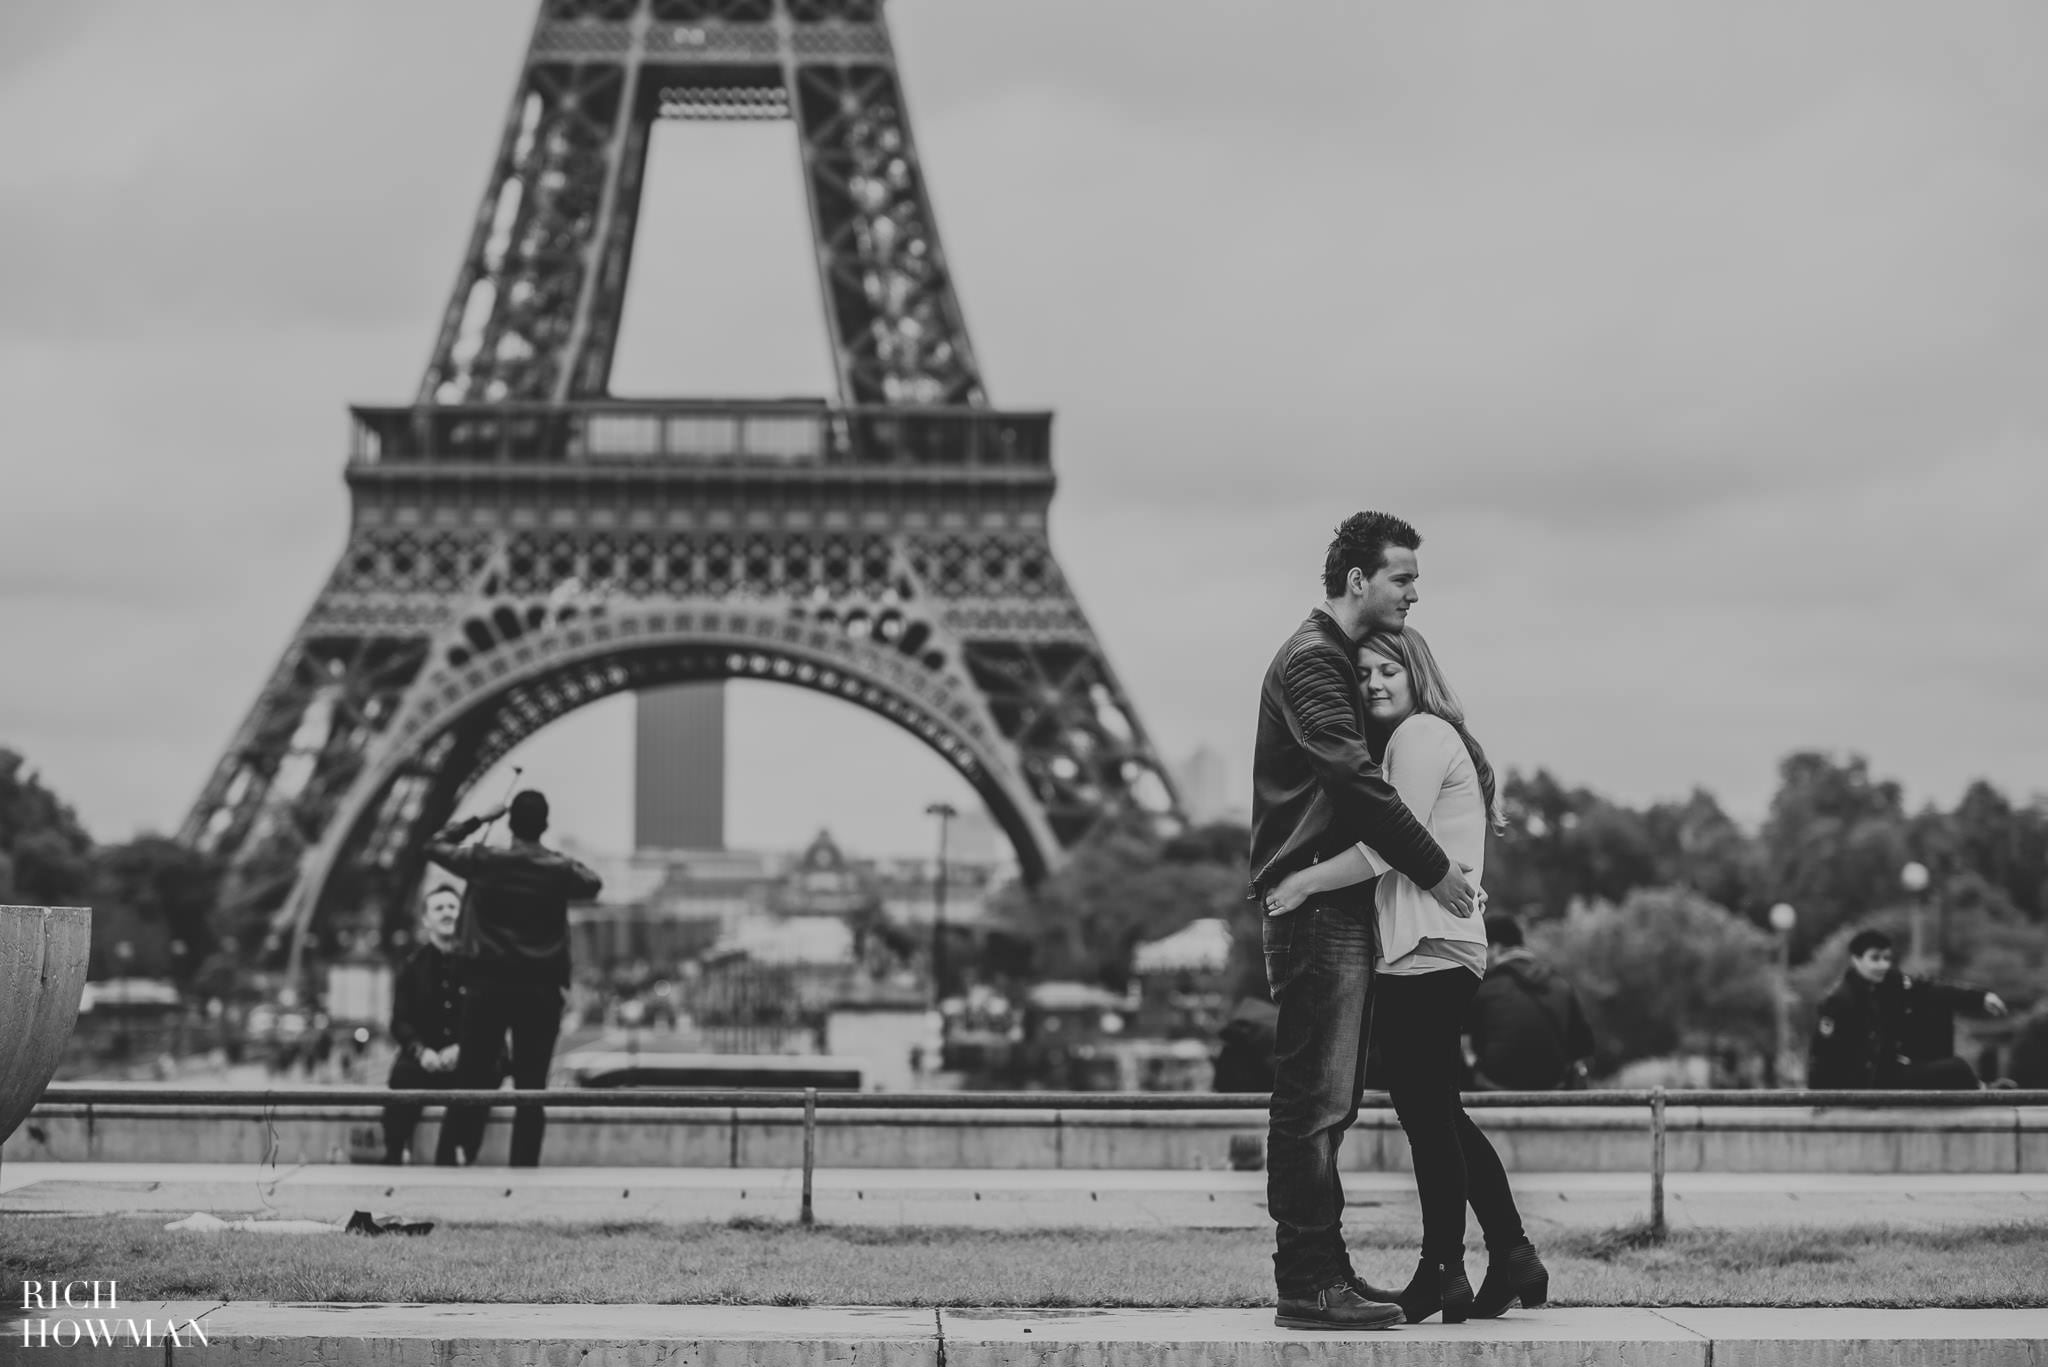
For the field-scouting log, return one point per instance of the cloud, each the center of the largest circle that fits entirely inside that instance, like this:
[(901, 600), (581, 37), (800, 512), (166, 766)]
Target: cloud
[(248, 163)]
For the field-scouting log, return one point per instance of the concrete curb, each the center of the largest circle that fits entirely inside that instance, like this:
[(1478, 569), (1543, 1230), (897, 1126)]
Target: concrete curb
[(769, 1336)]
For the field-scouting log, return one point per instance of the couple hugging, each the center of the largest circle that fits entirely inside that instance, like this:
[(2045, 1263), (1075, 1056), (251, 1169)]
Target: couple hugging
[(1369, 813)]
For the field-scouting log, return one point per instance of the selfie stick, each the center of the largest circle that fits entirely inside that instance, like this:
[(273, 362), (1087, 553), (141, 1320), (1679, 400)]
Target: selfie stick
[(510, 784)]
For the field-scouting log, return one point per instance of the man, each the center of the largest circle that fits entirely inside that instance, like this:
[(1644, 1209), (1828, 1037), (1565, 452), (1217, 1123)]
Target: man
[(426, 1012), (2026, 1066), (1872, 1031), (516, 941), (1527, 1029), (1316, 792)]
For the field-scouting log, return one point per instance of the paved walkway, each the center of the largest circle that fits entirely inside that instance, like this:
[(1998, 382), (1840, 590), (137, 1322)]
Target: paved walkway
[(770, 1336), (987, 1199)]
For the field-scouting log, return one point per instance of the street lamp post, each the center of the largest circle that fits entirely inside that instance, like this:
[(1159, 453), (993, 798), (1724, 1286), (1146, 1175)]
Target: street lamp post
[(1914, 879), (1783, 918), (945, 812)]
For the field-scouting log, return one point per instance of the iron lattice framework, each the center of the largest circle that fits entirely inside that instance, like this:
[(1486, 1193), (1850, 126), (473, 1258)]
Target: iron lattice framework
[(522, 544)]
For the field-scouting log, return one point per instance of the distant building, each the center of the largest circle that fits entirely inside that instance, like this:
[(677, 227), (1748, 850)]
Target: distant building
[(664, 907), (1199, 947), (1204, 783), (661, 908), (974, 838), (679, 768)]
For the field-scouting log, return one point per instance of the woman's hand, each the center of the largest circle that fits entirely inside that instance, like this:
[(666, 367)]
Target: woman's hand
[(1289, 893)]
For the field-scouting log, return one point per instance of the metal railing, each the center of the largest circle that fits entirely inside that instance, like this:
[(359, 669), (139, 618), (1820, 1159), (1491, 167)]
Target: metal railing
[(677, 432), (810, 1100)]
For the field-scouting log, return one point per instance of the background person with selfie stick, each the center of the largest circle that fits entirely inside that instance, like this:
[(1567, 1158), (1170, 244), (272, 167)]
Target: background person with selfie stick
[(516, 943)]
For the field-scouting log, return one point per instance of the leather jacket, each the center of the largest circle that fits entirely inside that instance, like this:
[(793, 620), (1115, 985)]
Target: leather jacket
[(1867, 1033), (515, 911), (1315, 788)]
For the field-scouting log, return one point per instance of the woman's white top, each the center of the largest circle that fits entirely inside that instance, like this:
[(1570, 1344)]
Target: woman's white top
[(1428, 765)]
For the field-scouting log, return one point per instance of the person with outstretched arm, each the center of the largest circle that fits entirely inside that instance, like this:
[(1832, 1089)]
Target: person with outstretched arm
[(1315, 793), (515, 939)]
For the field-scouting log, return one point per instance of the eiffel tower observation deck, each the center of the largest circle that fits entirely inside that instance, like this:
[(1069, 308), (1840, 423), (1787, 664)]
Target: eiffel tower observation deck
[(523, 544)]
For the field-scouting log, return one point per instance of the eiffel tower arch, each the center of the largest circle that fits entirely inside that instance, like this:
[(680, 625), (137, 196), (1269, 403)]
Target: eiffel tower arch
[(522, 543)]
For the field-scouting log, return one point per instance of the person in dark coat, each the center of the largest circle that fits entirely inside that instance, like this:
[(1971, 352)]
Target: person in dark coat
[(1245, 1062), (1527, 1028), (1886, 1030), (426, 1012), (2027, 1064), (515, 943)]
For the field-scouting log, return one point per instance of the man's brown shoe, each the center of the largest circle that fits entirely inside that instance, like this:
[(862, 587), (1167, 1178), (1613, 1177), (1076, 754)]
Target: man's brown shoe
[(1336, 1307)]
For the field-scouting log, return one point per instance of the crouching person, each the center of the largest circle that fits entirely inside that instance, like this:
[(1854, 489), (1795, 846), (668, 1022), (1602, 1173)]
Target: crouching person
[(426, 1013)]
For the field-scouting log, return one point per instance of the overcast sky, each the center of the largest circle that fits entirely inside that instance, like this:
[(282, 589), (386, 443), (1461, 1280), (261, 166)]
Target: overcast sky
[(1707, 345)]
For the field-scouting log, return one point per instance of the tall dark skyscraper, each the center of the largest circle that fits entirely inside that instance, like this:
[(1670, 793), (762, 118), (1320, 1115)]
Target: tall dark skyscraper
[(679, 768)]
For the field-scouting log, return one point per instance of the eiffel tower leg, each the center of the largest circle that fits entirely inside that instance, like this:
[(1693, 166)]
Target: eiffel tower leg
[(1046, 681), (535, 309), (293, 760)]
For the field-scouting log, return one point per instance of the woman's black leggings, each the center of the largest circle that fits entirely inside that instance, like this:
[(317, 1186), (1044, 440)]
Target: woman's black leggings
[(1416, 1022)]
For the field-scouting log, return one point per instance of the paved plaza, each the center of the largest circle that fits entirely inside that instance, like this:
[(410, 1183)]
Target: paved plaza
[(1039, 1198)]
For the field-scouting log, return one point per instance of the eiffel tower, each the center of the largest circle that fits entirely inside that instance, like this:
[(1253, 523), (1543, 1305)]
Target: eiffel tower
[(522, 543)]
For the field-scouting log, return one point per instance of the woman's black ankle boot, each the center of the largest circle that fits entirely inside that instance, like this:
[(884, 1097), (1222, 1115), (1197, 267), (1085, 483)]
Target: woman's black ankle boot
[(1517, 1274), (1437, 1286)]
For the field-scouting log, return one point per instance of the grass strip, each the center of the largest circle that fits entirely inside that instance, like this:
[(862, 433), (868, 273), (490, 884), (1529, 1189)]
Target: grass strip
[(753, 1262)]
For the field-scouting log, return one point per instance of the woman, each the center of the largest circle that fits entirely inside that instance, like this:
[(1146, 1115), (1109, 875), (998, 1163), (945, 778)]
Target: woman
[(1429, 966)]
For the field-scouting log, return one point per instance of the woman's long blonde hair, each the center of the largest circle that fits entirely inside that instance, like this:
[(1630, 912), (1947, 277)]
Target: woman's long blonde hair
[(1434, 695)]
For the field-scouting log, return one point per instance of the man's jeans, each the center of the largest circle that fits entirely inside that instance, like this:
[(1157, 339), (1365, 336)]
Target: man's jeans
[(1319, 966), (534, 1016)]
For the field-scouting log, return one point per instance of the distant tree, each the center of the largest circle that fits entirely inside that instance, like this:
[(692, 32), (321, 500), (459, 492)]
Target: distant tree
[(158, 897), (1833, 843), (1122, 887), (47, 849), (1664, 970), (1565, 844), (1987, 835), (1699, 846)]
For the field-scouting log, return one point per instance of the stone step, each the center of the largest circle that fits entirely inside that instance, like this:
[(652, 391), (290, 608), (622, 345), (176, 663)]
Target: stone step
[(253, 1333)]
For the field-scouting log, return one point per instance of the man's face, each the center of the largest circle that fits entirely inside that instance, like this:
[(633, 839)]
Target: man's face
[(443, 908), (1872, 964), (1389, 594)]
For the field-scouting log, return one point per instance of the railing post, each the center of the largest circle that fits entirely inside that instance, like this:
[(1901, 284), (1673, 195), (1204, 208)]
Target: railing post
[(1657, 1131), (810, 1150)]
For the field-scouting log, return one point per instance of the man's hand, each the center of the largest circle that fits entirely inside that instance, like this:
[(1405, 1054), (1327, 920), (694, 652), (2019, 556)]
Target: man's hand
[(1292, 892), (494, 813), (1994, 1005), (1455, 894)]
